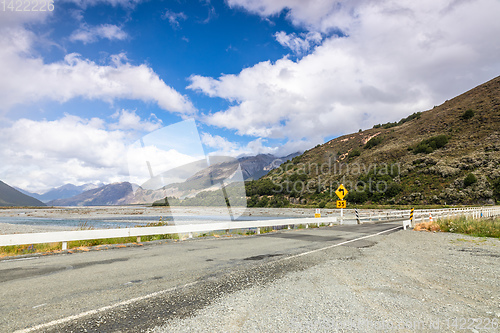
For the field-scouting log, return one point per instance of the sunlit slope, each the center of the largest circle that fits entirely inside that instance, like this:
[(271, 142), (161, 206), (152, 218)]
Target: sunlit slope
[(426, 158)]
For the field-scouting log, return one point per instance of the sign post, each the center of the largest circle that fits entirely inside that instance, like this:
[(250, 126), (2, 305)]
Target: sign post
[(318, 213), (411, 217), (341, 192)]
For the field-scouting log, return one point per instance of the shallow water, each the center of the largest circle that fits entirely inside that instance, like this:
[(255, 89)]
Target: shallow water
[(126, 221)]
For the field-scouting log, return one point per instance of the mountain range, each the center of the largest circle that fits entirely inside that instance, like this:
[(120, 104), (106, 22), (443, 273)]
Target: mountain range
[(61, 192), (252, 167)]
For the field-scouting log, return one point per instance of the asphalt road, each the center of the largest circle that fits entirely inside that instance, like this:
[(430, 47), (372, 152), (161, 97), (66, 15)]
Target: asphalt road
[(136, 288)]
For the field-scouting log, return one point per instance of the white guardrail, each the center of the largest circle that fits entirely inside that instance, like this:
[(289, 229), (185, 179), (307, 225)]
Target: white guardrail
[(421, 215)]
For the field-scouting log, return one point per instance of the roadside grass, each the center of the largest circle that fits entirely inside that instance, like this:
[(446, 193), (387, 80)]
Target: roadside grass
[(464, 225), (84, 245), (16, 250)]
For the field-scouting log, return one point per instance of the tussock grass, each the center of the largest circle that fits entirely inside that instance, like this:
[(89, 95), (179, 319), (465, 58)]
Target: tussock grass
[(473, 227), (464, 225)]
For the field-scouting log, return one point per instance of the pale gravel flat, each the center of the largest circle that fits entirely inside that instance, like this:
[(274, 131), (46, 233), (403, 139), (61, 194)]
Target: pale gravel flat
[(409, 281), (131, 211), (11, 228)]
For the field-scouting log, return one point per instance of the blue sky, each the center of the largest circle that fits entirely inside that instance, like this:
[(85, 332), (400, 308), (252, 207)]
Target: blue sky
[(79, 84)]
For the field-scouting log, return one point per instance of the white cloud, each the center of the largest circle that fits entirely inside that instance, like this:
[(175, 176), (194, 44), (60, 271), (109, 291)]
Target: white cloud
[(174, 18), (9, 19), (315, 15), (129, 120), (224, 147), (44, 154), (51, 153), (115, 3), (88, 34), (165, 160), (25, 78), (298, 45), (397, 59)]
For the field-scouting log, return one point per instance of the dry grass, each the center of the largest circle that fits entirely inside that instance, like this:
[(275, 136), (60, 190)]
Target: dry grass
[(427, 226)]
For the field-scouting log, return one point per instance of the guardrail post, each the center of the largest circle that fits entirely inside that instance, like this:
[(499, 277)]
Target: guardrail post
[(190, 235), (258, 231), (138, 239), (288, 227), (64, 245)]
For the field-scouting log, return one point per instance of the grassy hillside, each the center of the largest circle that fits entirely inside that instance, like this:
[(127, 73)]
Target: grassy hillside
[(447, 155), (9, 196)]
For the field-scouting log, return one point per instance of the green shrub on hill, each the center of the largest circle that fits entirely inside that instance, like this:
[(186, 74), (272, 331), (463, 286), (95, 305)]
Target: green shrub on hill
[(358, 197), (496, 189), (427, 146), (469, 180), (353, 153), (468, 114), (373, 142)]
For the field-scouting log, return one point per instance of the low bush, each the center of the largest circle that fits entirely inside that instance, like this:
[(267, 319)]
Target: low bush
[(427, 146), (373, 142), (469, 179), (353, 153), (468, 114)]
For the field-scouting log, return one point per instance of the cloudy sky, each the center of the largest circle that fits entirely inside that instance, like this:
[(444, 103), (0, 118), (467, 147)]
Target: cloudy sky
[(83, 80)]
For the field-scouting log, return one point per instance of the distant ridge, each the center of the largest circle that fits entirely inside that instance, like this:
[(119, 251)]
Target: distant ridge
[(9, 196), (107, 195), (61, 192)]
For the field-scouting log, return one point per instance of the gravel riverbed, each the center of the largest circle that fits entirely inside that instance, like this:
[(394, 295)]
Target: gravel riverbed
[(408, 281)]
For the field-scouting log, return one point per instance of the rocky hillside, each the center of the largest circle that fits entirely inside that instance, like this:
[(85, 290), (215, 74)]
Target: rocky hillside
[(447, 155), (9, 196)]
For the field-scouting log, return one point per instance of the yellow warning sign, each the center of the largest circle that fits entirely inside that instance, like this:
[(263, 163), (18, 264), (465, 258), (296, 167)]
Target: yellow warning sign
[(341, 204), (318, 213), (341, 192)]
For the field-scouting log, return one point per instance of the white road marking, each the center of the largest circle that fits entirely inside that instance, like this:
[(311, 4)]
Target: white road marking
[(157, 293), (29, 258), (339, 244), (39, 305), (105, 308)]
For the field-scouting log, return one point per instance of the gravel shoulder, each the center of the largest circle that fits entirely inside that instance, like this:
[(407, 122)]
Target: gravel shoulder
[(408, 281)]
